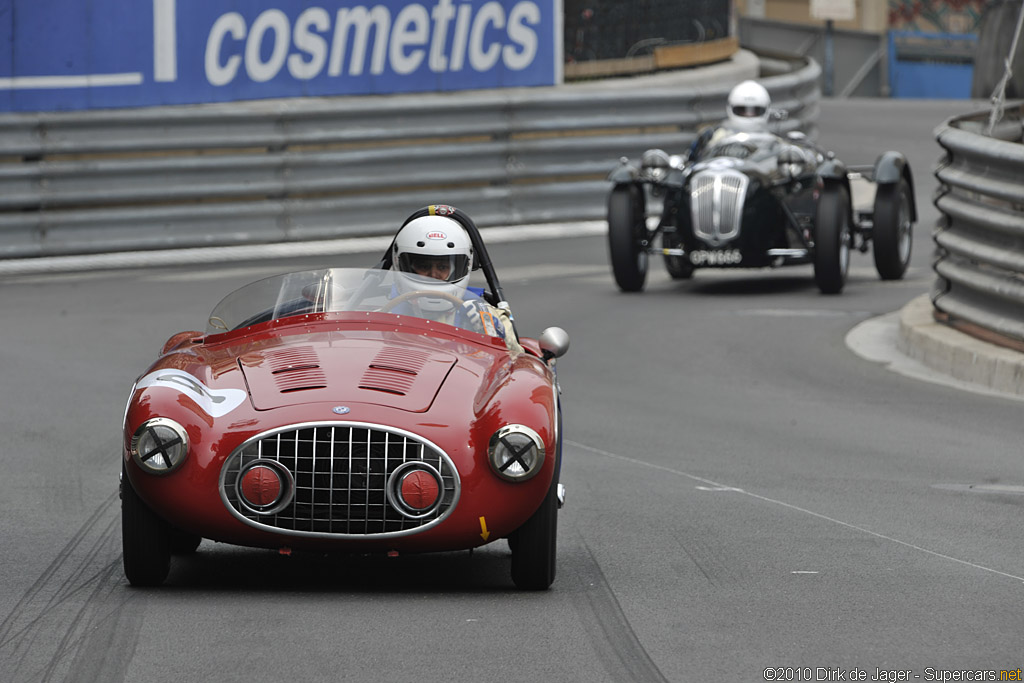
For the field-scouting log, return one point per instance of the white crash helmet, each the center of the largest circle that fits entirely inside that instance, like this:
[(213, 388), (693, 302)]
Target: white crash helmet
[(748, 107), (433, 253)]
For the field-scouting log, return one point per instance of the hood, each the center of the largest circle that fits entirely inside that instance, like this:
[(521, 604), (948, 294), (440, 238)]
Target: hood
[(403, 376)]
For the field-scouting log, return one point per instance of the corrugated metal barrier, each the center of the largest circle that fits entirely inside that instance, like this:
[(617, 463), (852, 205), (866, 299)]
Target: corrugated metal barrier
[(980, 235), (276, 171)]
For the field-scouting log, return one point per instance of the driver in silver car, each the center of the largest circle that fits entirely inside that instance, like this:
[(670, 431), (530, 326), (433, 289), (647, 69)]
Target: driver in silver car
[(747, 112)]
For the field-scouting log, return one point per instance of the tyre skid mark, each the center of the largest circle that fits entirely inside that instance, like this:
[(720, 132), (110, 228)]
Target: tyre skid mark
[(616, 643), (55, 616)]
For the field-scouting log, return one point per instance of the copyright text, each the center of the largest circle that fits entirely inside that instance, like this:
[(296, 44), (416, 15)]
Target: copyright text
[(823, 673)]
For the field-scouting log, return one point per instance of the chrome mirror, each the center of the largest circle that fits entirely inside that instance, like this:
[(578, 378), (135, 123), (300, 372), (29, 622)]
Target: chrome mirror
[(554, 342)]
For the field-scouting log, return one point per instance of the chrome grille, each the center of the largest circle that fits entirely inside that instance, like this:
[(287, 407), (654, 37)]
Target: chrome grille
[(340, 473), (716, 204)]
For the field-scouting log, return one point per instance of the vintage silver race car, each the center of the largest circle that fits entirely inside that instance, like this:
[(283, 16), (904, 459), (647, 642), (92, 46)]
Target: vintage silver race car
[(753, 200)]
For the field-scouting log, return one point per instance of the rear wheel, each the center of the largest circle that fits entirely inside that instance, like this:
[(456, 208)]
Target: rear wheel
[(832, 240), (893, 230), (627, 230), (145, 540), (534, 546)]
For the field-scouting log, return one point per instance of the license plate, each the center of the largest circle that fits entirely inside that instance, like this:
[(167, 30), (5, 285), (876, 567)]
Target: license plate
[(716, 257)]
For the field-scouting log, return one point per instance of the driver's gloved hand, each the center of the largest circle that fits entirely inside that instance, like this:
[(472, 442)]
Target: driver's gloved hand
[(476, 316)]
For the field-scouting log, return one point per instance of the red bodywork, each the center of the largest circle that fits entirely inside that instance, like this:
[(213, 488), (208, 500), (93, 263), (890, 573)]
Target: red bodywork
[(299, 369)]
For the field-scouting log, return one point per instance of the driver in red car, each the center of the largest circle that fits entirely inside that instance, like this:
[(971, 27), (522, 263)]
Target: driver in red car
[(436, 255)]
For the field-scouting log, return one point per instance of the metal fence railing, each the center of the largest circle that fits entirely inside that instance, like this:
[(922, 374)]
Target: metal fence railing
[(980, 235), (860, 68), (612, 29), (289, 170)]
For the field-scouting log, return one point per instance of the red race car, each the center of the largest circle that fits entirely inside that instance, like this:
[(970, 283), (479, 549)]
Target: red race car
[(351, 411)]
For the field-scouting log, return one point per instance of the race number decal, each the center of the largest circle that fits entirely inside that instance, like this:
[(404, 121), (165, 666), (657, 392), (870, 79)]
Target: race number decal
[(213, 402)]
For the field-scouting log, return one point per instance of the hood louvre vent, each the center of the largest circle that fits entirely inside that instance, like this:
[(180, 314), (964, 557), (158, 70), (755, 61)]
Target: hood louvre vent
[(336, 369), (393, 371), (296, 369)]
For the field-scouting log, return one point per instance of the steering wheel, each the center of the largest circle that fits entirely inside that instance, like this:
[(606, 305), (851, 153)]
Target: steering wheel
[(420, 294)]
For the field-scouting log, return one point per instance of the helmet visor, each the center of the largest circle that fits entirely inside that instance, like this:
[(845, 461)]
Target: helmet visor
[(446, 267), (748, 111)]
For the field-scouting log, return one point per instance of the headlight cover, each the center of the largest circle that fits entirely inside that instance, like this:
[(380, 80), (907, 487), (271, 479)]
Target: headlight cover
[(655, 163), (159, 445), (516, 453)]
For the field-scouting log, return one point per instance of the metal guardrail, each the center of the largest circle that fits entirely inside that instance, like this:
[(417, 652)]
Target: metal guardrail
[(275, 171), (980, 235)]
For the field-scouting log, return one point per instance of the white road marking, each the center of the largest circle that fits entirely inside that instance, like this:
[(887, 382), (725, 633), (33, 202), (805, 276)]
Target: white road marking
[(260, 252), (796, 508), (547, 271), (798, 313)]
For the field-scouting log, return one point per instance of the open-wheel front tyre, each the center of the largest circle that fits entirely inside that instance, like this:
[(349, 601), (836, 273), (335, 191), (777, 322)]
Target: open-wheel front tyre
[(893, 230), (534, 546), (145, 540), (678, 267), (832, 240), (627, 229)]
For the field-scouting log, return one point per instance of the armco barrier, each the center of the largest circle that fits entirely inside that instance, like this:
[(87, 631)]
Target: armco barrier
[(274, 171), (980, 235)]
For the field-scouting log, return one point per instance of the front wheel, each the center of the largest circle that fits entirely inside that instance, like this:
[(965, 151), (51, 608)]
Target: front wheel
[(534, 546), (893, 230), (678, 267), (182, 542), (145, 540), (832, 240), (627, 234)]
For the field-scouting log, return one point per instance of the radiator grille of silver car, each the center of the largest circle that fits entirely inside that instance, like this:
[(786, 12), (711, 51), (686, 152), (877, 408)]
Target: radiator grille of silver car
[(716, 204), (340, 474)]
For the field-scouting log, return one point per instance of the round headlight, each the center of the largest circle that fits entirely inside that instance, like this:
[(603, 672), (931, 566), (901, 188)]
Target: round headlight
[(516, 452), (655, 158), (656, 163), (159, 445)]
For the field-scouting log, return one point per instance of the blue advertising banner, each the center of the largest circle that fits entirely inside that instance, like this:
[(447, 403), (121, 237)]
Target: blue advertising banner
[(87, 54)]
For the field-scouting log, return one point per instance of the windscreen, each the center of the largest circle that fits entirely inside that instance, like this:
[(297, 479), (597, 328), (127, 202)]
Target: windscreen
[(347, 289)]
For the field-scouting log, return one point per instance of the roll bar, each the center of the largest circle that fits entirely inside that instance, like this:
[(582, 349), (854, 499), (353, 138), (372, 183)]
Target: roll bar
[(481, 260)]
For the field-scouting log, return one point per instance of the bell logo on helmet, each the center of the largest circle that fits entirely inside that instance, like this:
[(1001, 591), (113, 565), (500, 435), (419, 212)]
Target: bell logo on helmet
[(436, 235)]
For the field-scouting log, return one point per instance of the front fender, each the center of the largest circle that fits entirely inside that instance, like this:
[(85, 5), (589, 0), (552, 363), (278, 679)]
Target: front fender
[(832, 170), (625, 172), (890, 168), (832, 174)]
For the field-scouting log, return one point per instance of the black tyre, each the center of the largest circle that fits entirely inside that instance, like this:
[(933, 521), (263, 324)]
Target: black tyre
[(893, 230), (627, 229), (145, 540), (832, 240), (534, 546), (182, 542)]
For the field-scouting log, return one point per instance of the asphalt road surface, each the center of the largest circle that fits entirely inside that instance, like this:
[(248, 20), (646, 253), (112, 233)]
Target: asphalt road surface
[(744, 492)]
